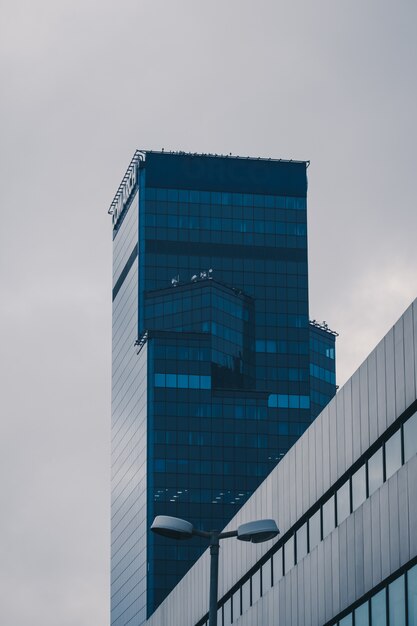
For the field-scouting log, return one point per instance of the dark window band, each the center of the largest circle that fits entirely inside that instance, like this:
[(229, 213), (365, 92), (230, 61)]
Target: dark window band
[(125, 271)]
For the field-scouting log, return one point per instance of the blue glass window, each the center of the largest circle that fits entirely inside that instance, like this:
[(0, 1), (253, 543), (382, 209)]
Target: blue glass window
[(362, 615), (412, 596), (379, 609), (301, 541), (396, 596), (289, 554)]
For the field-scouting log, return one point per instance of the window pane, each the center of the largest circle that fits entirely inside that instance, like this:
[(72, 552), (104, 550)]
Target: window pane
[(227, 613), (220, 616), (393, 454), (245, 596), (314, 529), (362, 615), (379, 609), (343, 502), (397, 602), (236, 605), (256, 586), (375, 471), (410, 437), (358, 487), (346, 621), (301, 536), (412, 596), (277, 566), (266, 576), (289, 554), (329, 520)]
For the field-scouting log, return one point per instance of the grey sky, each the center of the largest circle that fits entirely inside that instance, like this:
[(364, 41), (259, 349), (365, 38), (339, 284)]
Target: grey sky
[(86, 82)]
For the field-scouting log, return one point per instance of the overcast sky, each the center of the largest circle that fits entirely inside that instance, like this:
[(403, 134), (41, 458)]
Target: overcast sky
[(84, 83)]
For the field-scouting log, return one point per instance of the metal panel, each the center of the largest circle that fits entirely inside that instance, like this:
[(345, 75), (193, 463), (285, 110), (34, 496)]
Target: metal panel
[(381, 388), (390, 376), (367, 545), (364, 406), (399, 366), (376, 538), (328, 577), (384, 517), (410, 385), (319, 456), (356, 416), (335, 565), (414, 308), (372, 398), (359, 549), (350, 537), (325, 446), (404, 528), (394, 531), (412, 502), (348, 419), (333, 441), (340, 432)]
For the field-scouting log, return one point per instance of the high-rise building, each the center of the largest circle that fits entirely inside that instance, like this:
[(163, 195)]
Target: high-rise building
[(216, 368)]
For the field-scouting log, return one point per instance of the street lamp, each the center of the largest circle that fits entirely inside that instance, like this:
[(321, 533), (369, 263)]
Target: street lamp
[(176, 528)]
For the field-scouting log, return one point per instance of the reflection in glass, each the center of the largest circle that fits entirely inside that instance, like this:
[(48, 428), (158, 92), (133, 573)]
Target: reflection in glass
[(289, 554), (375, 471), (410, 437), (343, 502), (314, 529), (329, 521), (358, 487), (396, 596), (412, 596), (362, 615), (346, 621)]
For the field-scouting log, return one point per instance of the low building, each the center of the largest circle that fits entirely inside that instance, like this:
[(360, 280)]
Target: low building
[(345, 500)]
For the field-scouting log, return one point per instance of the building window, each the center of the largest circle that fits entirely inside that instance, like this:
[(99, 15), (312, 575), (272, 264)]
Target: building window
[(289, 554), (362, 615), (375, 471), (379, 609), (329, 520), (246, 596), (346, 621), (358, 487), (410, 437), (277, 569), (256, 586), (227, 613), (267, 576), (301, 538), (343, 502), (393, 454), (412, 596), (314, 529), (396, 602), (236, 605)]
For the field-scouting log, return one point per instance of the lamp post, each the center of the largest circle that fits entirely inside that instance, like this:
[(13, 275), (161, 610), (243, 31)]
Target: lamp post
[(176, 528)]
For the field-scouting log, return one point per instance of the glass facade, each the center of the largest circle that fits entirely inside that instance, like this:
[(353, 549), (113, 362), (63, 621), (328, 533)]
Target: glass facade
[(211, 283)]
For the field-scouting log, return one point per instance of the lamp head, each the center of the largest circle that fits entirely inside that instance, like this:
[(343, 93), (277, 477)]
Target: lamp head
[(172, 527), (259, 531)]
